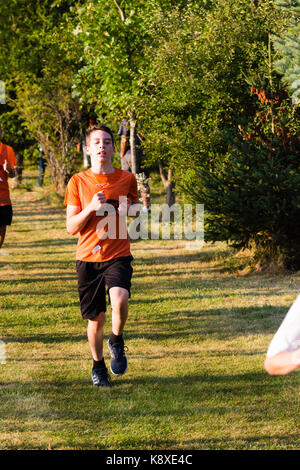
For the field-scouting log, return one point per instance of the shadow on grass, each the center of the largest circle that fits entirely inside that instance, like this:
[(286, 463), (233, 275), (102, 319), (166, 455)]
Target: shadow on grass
[(185, 258), (45, 338), (221, 324), (79, 404), (197, 279), (230, 323), (48, 242), (48, 263), (259, 442), (199, 296), (235, 384), (207, 445), (26, 209), (39, 293), (22, 230), (37, 218), (38, 278)]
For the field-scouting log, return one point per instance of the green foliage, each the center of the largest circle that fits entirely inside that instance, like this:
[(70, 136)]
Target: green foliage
[(113, 39), (288, 47), (38, 73), (196, 86), (14, 132), (254, 200)]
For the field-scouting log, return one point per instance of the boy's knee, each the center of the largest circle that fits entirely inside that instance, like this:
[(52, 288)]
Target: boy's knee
[(120, 303), (98, 321)]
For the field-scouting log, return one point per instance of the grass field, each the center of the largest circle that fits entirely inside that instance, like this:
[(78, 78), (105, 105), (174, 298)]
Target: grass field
[(197, 336)]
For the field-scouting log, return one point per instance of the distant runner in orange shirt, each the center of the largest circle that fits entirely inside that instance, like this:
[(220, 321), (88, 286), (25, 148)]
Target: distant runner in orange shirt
[(7, 165), (102, 259)]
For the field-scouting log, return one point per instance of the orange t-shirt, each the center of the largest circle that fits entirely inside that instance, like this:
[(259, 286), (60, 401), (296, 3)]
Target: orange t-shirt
[(6, 153), (92, 246)]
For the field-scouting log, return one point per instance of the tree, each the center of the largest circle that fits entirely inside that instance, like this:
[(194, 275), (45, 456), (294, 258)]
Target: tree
[(288, 47), (38, 69), (114, 39), (202, 114), (15, 135), (253, 201), (199, 59), (52, 118), (115, 36)]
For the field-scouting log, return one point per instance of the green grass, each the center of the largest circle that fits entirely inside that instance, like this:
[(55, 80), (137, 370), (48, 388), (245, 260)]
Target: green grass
[(197, 334)]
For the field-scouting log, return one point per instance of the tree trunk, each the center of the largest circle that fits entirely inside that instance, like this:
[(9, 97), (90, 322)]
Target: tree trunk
[(132, 122), (170, 198), (17, 180), (271, 83), (59, 173), (168, 184)]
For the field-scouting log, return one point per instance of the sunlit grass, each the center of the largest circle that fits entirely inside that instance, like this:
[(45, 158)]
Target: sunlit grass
[(197, 334)]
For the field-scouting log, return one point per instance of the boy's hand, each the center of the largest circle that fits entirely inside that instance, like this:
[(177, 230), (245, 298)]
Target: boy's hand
[(97, 201), (124, 207), (6, 167)]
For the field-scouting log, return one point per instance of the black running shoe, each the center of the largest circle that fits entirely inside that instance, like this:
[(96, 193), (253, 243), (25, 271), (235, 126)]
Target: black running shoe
[(118, 364), (100, 377)]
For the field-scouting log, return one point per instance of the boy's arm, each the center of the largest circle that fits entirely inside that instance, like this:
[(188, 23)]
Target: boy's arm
[(77, 218), (8, 169)]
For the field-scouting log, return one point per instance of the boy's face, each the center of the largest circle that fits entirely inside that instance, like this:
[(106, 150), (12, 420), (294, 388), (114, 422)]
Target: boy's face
[(100, 147)]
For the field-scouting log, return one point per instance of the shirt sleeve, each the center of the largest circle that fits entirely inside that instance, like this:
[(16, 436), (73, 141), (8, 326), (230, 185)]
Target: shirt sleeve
[(133, 191), (72, 195), (11, 157), (287, 337)]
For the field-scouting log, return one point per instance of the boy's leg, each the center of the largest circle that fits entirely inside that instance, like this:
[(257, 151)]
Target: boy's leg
[(91, 288), (118, 279), (2, 234), (100, 377), (6, 214), (119, 304), (95, 336)]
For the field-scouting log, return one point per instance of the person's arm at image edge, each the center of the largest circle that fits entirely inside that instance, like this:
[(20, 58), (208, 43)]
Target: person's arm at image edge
[(283, 363)]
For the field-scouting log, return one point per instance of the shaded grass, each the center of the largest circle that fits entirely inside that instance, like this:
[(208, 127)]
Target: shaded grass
[(197, 335)]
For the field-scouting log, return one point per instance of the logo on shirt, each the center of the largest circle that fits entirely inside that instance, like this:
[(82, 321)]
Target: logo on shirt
[(102, 185)]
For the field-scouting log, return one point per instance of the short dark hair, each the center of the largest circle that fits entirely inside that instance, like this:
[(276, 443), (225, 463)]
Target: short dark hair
[(100, 127)]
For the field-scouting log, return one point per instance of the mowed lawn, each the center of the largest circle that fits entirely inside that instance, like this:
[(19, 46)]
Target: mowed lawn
[(197, 334)]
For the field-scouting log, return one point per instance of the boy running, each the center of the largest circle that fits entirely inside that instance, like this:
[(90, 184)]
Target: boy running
[(101, 260), (7, 165)]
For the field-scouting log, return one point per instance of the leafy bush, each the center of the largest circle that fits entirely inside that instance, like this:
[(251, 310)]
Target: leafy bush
[(253, 200)]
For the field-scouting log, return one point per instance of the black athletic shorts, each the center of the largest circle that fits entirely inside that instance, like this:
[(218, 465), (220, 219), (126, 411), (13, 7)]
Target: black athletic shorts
[(92, 279), (6, 214)]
